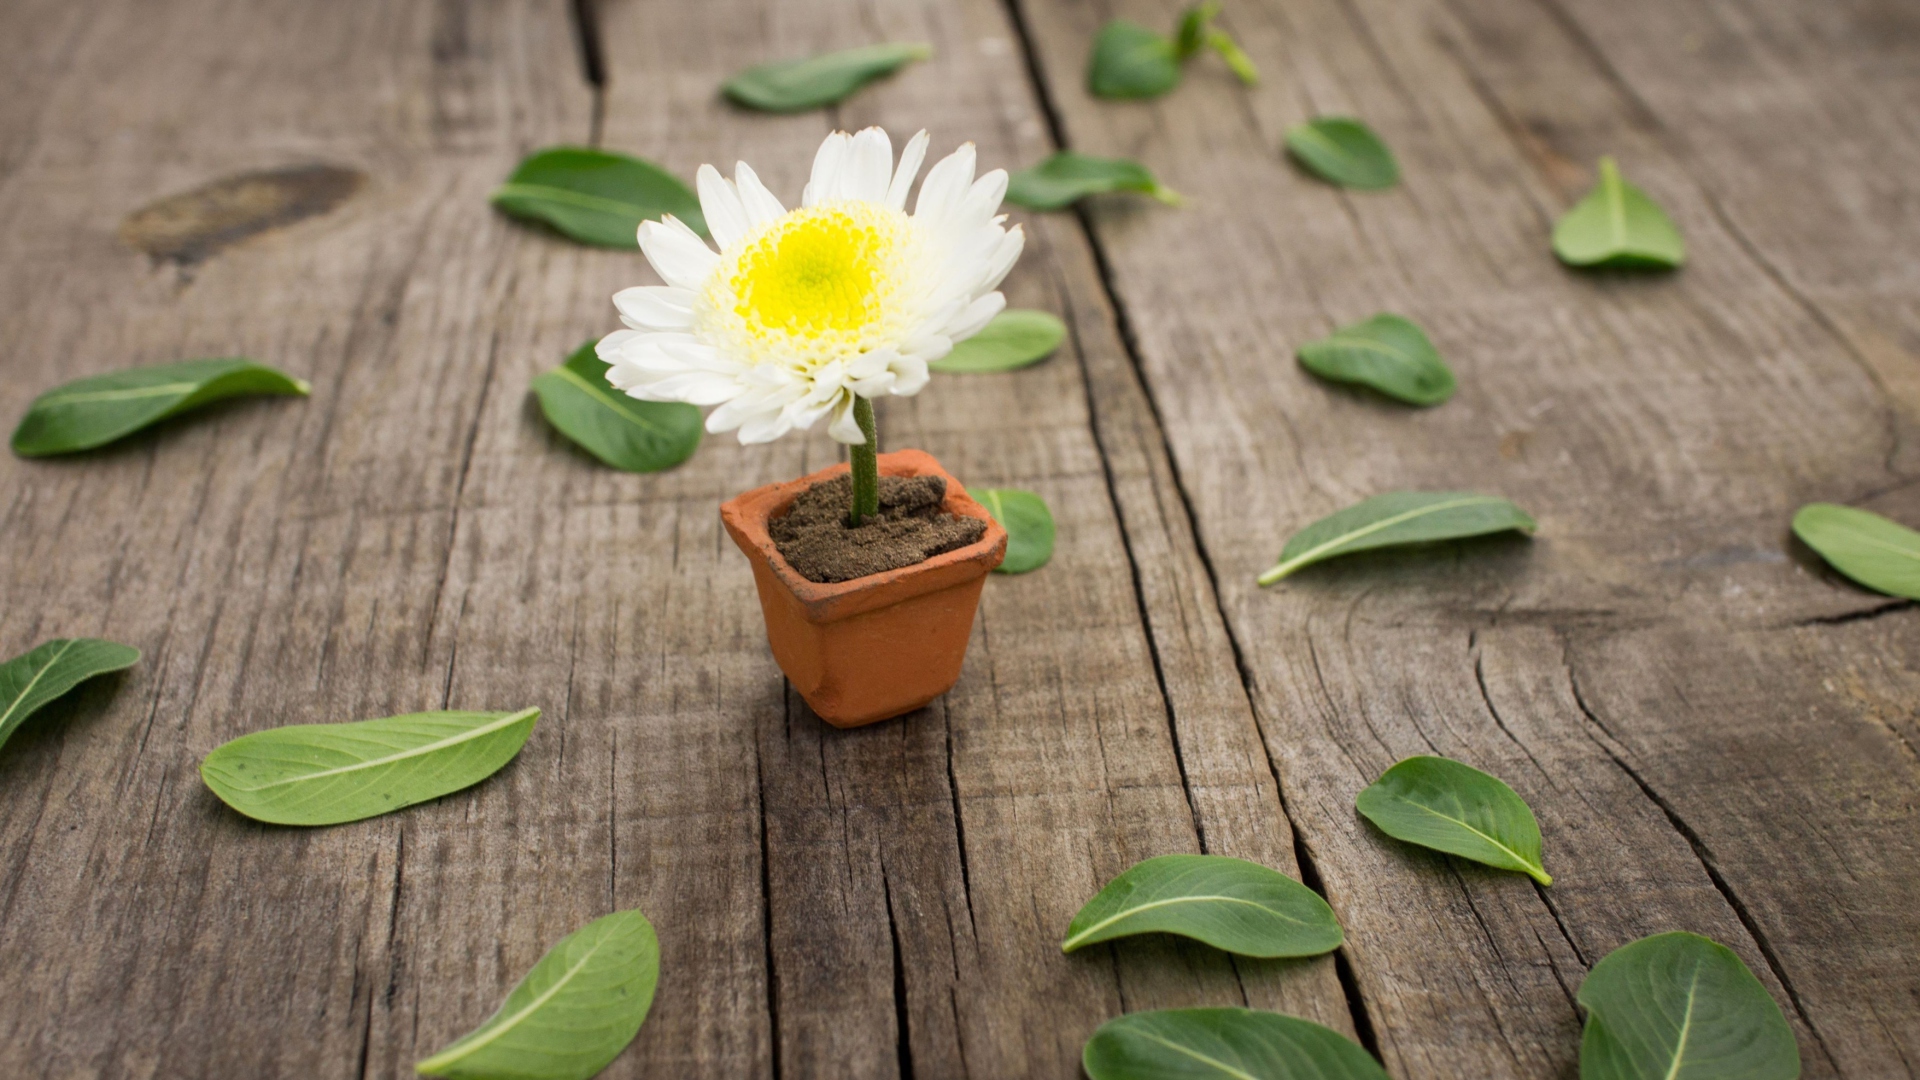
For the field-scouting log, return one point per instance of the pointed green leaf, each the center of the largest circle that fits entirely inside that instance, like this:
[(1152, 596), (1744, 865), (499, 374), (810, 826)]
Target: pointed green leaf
[(97, 410), (1442, 804), (325, 774), (1131, 61), (1230, 904), (35, 678), (624, 432), (596, 196), (1388, 353), (1223, 1044), (1029, 526), (1617, 225), (1066, 177), (1682, 1007), (797, 85), (1012, 340), (1398, 517), (573, 1012), (1191, 34), (1880, 554), (1344, 151)]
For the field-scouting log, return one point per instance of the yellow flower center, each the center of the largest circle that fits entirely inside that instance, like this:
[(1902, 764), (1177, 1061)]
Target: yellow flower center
[(821, 283), (813, 271)]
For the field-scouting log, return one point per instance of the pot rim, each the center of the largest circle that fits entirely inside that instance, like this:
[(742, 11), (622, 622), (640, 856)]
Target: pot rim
[(747, 515)]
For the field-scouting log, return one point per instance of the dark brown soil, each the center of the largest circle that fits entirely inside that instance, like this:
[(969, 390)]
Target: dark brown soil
[(911, 527)]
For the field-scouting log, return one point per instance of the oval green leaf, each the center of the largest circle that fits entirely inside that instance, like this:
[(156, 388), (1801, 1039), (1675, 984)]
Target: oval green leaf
[(572, 1014), (97, 410), (1442, 804), (35, 678), (1230, 904), (1389, 354), (1343, 151), (1131, 61), (1029, 526), (1067, 177), (596, 196), (624, 432), (1398, 517), (1618, 226), (1681, 1007), (1223, 1044), (325, 774), (1880, 554), (1012, 340), (797, 85)]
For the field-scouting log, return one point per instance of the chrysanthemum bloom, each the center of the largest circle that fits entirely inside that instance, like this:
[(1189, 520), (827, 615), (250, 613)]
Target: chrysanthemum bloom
[(813, 312)]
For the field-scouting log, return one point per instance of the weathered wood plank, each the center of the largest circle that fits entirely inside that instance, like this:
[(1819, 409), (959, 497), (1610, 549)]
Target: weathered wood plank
[(921, 873), (1620, 671), (387, 546)]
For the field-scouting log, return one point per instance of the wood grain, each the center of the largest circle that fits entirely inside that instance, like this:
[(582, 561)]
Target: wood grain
[(1717, 733), (1637, 672)]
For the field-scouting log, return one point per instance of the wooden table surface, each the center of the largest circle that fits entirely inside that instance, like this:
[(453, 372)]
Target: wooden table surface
[(1717, 733)]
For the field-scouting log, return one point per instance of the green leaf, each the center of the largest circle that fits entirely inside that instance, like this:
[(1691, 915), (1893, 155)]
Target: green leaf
[(571, 1015), (596, 196), (1398, 517), (1029, 526), (1223, 1044), (1880, 554), (1388, 353), (1012, 340), (1131, 61), (1616, 225), (797, 85), (325, 774), (97, 410), (34, 678), (1344, 151), (1066, 177), (624, 432), (1230, 904), (1681, 1007), (1442, 804)]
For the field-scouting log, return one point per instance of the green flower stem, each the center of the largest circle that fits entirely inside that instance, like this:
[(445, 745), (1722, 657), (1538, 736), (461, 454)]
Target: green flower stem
[(866, 465)]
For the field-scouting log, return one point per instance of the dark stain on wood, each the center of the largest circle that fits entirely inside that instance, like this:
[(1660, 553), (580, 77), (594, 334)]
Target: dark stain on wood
[(189, 227)]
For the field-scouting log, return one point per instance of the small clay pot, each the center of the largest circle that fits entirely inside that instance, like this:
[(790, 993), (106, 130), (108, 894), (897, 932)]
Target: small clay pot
[(877, 646)]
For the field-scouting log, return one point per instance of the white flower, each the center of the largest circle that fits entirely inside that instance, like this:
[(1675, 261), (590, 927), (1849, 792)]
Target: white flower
[(803, 309)]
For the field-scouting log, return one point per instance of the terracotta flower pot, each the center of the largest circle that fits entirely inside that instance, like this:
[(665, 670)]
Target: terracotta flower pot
[(877, 646)]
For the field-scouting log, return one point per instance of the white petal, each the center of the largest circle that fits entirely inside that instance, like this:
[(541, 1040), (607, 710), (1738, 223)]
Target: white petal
[(910, 375), (977, 316), (1005, 256), (609, 348), (726, 217), (928, 347), (676, 253), (844, 427), (764, 428), (983, 198), (947, 184), (655, 307), (910, 160), (759, 203), (869, 167), (827, 164)]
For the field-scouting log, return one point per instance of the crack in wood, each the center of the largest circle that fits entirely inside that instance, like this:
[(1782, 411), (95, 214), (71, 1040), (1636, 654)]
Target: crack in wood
[(903, 1041), (593, 63), (1705, 857), (766, 892), (1862, 615)]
